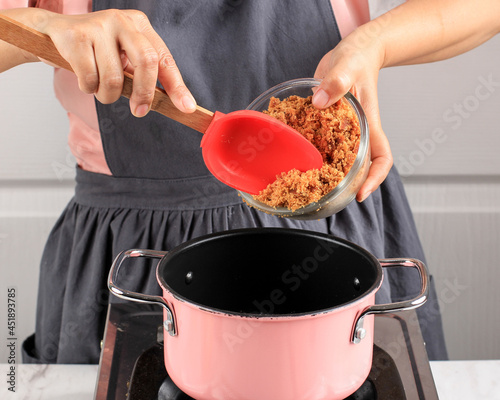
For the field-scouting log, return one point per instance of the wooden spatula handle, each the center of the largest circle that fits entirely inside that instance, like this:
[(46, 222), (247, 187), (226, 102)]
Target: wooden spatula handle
[(41, 45)]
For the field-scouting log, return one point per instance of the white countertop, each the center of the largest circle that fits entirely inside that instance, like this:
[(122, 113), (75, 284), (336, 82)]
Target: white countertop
[(467, 380), (455, 380)]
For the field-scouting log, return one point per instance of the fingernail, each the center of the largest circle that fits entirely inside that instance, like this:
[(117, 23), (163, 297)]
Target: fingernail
[(141, 110), (320, 99), (365, 197), (188, 102)]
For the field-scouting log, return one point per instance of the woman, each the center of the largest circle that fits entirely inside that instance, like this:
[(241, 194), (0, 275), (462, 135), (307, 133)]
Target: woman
[(141, 182)]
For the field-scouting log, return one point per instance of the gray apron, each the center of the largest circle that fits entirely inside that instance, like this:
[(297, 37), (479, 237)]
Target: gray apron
[(161, 193)]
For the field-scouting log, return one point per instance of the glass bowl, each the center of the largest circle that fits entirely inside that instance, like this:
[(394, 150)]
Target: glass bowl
[(345, 192)]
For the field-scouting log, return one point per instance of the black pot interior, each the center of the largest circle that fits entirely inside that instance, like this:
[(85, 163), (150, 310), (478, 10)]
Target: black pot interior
[(269, 271)]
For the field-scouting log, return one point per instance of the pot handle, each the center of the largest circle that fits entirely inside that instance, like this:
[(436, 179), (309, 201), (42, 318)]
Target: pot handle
[(358, 332), (169, 324)]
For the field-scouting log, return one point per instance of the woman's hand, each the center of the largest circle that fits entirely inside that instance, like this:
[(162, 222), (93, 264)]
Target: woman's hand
[(417, 31), (353, 65), (99, 46)]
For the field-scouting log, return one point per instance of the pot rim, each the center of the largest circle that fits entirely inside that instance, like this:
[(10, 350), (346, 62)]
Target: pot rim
[(162, 264)]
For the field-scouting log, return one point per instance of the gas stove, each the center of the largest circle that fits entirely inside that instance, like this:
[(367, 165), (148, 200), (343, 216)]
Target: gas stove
[(132, 368)]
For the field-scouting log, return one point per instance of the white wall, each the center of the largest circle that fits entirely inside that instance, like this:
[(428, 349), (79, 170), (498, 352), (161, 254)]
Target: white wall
[(442, 121), (450, 161)]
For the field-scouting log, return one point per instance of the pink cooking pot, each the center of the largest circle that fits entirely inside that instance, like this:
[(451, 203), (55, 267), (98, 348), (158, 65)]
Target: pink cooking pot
[(268, 313)]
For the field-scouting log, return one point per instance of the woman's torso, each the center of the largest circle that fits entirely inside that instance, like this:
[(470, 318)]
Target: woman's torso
[(222, 76)]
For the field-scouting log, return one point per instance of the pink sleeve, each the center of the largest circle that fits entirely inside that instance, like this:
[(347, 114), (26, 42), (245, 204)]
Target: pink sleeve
[(65, 6), (350, 14), (5, 4), (59, 6)]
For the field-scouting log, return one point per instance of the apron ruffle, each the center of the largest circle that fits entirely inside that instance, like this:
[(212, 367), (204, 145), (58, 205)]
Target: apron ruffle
[(99, 223)]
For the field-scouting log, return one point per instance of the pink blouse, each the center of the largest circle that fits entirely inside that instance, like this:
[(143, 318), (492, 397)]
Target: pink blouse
[(84, 137)]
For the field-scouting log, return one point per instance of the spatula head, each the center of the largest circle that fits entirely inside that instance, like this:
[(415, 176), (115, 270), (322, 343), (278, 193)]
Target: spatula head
[(248, 149)]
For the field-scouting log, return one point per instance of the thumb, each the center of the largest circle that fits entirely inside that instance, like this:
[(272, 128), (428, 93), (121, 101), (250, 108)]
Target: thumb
[(381, 155), (336, 80)]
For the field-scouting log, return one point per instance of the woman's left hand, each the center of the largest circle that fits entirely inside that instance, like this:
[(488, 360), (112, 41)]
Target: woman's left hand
[(355, 68)]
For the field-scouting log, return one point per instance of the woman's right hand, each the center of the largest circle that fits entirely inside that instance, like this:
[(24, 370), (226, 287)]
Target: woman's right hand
[(99, 46)]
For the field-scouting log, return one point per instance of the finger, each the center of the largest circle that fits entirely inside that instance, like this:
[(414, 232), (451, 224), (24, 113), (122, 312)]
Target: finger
[(143, 59), (337, 80), (125, 62), (380, 167), (110, 69), (168, 73), (380, 148), (77, 49), (174, 85)]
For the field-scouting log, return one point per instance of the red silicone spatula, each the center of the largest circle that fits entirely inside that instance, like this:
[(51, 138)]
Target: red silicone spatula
[(244, 149)]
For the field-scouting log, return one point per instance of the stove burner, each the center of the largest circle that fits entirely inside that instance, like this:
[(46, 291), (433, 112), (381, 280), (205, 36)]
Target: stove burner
[(367, 391), (168, 391), (150, 380)]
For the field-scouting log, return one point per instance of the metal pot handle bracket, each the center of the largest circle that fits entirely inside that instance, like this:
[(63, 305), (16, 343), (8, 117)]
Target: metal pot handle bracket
[(358, 332), (169, 324)]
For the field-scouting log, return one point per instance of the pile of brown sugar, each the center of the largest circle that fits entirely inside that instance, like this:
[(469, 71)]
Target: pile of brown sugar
[(333, 131)]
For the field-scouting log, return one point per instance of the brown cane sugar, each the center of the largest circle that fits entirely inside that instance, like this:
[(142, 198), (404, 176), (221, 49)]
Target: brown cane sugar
[(334, 131)]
